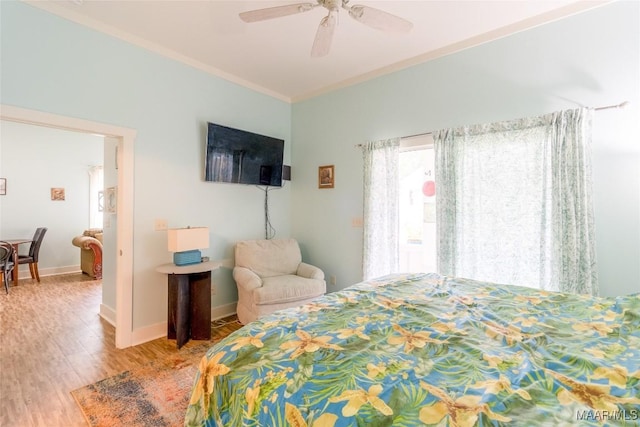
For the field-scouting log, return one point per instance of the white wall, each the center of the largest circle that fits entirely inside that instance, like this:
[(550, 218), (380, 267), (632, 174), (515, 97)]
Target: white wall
[(589, 59), (50, 64), (35, 159), (110, 235)]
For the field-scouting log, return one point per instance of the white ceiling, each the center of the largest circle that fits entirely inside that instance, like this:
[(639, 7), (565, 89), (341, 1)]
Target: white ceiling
[(274, 56)]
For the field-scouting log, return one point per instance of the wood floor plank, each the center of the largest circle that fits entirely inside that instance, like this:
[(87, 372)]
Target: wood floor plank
[(53, 341)]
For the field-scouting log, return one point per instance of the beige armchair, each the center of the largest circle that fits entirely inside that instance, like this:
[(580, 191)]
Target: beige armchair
[(271, 276), (90, 244)]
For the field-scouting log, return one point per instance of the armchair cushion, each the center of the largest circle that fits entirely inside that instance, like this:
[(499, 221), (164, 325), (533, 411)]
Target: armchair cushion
[(287, 288), (270, 276), (93, 232), (269, 258)]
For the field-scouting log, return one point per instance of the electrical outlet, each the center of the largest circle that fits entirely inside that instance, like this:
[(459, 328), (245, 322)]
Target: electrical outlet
[(332, 280), (160, 225), (357, 222)]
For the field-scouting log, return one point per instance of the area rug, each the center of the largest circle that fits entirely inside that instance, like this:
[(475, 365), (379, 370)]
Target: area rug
[(155, 394)]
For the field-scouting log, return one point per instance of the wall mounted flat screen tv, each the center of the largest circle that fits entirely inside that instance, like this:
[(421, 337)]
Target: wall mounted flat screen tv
[(242, 157)]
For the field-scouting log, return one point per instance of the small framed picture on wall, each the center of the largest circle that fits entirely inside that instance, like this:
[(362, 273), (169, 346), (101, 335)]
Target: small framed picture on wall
[(326, 176), (111, 200), (57, 194), (3, 186)]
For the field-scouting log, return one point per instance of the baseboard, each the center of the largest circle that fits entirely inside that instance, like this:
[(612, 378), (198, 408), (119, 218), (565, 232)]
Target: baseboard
[(23, 272), (108, 314), (223, 311), (159, 330), (149, 333)]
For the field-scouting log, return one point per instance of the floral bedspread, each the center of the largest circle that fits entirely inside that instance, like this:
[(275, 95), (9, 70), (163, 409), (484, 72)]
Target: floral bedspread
[(424, 349)]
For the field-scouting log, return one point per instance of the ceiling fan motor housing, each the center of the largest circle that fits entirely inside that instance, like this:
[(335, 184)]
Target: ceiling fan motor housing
[(331, 5)]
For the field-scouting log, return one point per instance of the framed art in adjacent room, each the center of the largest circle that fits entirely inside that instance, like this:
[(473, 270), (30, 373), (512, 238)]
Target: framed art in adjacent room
[(57, 194), (101, 201), (326, 176), (111, 200), (3, 186)]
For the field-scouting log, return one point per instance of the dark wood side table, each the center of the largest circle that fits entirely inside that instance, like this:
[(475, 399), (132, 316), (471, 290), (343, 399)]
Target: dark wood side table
[(189, 305)]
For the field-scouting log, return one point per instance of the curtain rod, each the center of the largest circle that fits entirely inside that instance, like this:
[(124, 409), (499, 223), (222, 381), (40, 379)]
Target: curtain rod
[(402, 137), (606, 107), (621, 105)]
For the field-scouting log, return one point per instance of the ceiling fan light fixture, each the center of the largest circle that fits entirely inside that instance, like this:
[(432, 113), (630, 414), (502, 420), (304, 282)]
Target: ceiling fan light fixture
[(331, 5)]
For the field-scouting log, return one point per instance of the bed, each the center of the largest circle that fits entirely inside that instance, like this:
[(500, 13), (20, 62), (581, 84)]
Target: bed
[(425, 349)]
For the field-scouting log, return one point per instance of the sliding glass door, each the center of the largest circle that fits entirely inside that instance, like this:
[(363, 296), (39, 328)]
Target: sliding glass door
[(417, 217)]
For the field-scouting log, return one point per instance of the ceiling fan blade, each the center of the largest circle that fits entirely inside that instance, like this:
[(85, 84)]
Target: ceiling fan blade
[(324, 36), (379, 19), (275, 12)]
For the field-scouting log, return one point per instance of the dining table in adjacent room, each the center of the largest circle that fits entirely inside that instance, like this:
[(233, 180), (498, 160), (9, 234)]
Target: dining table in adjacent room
[(16, 244)]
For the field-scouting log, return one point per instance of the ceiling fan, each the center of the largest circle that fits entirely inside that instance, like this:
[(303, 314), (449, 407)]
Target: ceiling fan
[(374, 18)]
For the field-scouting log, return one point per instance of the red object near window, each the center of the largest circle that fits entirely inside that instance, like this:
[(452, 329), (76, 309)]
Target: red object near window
[(429, 188)]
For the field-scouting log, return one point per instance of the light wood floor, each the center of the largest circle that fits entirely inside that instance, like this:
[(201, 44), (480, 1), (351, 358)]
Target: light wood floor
[(53, 341)]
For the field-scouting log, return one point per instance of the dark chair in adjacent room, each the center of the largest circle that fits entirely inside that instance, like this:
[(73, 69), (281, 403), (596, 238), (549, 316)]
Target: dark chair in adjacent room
[(32, 257), (6, 262)]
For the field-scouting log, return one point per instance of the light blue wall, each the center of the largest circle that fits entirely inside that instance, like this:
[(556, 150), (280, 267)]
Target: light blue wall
[(589, 59), (52, 65)]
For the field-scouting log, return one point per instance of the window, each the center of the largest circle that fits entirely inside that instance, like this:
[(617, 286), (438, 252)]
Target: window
[(518, 206), (417, 216), (96, 196)]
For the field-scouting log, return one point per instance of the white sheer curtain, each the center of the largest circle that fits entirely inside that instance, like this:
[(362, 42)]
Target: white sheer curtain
[(96, 196), (514, 202), (381, 183)]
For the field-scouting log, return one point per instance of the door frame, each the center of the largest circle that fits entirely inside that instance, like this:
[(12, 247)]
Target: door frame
[(124, 231)]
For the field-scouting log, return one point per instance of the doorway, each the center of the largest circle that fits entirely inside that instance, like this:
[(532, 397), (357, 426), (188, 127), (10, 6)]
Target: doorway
[(123, 139)]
